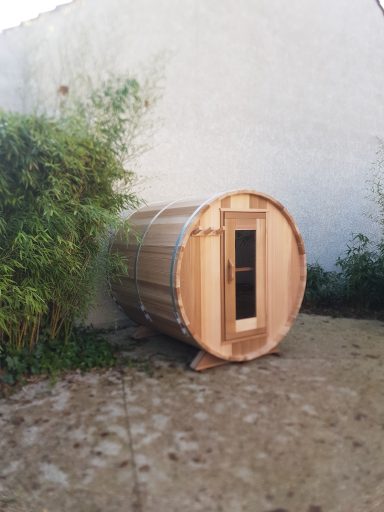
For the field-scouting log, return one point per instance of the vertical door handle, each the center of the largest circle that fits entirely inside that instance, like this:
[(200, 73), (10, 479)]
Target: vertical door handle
[(231, 270)]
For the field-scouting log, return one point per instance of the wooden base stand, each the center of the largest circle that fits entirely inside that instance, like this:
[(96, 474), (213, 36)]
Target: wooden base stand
[(204, 360), (142, 331)]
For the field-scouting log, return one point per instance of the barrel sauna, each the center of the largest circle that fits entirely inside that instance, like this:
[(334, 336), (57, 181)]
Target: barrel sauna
[(226, 274)]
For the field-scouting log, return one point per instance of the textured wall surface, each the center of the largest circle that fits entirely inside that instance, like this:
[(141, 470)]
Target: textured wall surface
[(283, 97)]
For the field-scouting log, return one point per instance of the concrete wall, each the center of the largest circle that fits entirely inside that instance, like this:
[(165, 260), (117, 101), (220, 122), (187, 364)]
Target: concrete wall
[(283, 97)]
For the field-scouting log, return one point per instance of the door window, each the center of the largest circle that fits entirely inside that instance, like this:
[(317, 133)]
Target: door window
[(245, 263)]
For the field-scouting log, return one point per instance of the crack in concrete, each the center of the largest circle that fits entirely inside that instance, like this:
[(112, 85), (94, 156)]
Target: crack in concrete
[(137, 504)]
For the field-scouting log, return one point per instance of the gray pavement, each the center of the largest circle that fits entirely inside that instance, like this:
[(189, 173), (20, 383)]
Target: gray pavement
[(303, 432)]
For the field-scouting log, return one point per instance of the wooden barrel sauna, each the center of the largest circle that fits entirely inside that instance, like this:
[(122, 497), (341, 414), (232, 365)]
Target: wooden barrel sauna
[(226, 274)]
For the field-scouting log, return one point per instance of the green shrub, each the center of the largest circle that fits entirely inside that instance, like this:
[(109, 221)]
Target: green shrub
[(324, 288), (84, 350), (362, 269), (58, 201), (358, 285)]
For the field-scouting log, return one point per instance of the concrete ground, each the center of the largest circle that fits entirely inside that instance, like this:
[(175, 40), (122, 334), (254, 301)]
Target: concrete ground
[(303, 432)]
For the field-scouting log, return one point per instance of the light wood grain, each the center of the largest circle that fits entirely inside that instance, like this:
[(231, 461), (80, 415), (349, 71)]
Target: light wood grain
[(177, 280)]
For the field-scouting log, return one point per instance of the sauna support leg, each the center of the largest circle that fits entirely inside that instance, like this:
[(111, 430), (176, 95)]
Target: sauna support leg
[(143, 331), (204, 360), (274, 352)]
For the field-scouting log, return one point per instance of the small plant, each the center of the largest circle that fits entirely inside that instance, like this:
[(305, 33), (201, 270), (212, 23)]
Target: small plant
[(358, 286), (324, 288), (363, 272), (83, 349)]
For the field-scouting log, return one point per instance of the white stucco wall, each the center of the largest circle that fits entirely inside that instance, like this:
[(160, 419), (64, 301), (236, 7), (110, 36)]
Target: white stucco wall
[(283, 97)]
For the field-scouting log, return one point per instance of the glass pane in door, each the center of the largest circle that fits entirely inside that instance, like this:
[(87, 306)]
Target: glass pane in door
[(245, 263)]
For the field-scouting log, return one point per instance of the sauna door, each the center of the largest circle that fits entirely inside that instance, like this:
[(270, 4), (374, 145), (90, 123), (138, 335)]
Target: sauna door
[(244, 274)]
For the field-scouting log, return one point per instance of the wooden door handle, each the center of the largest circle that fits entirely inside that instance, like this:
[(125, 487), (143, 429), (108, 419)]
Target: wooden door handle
[(231, 270)]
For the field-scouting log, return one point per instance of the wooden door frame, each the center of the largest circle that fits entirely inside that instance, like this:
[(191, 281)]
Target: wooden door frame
[(260, 215)]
